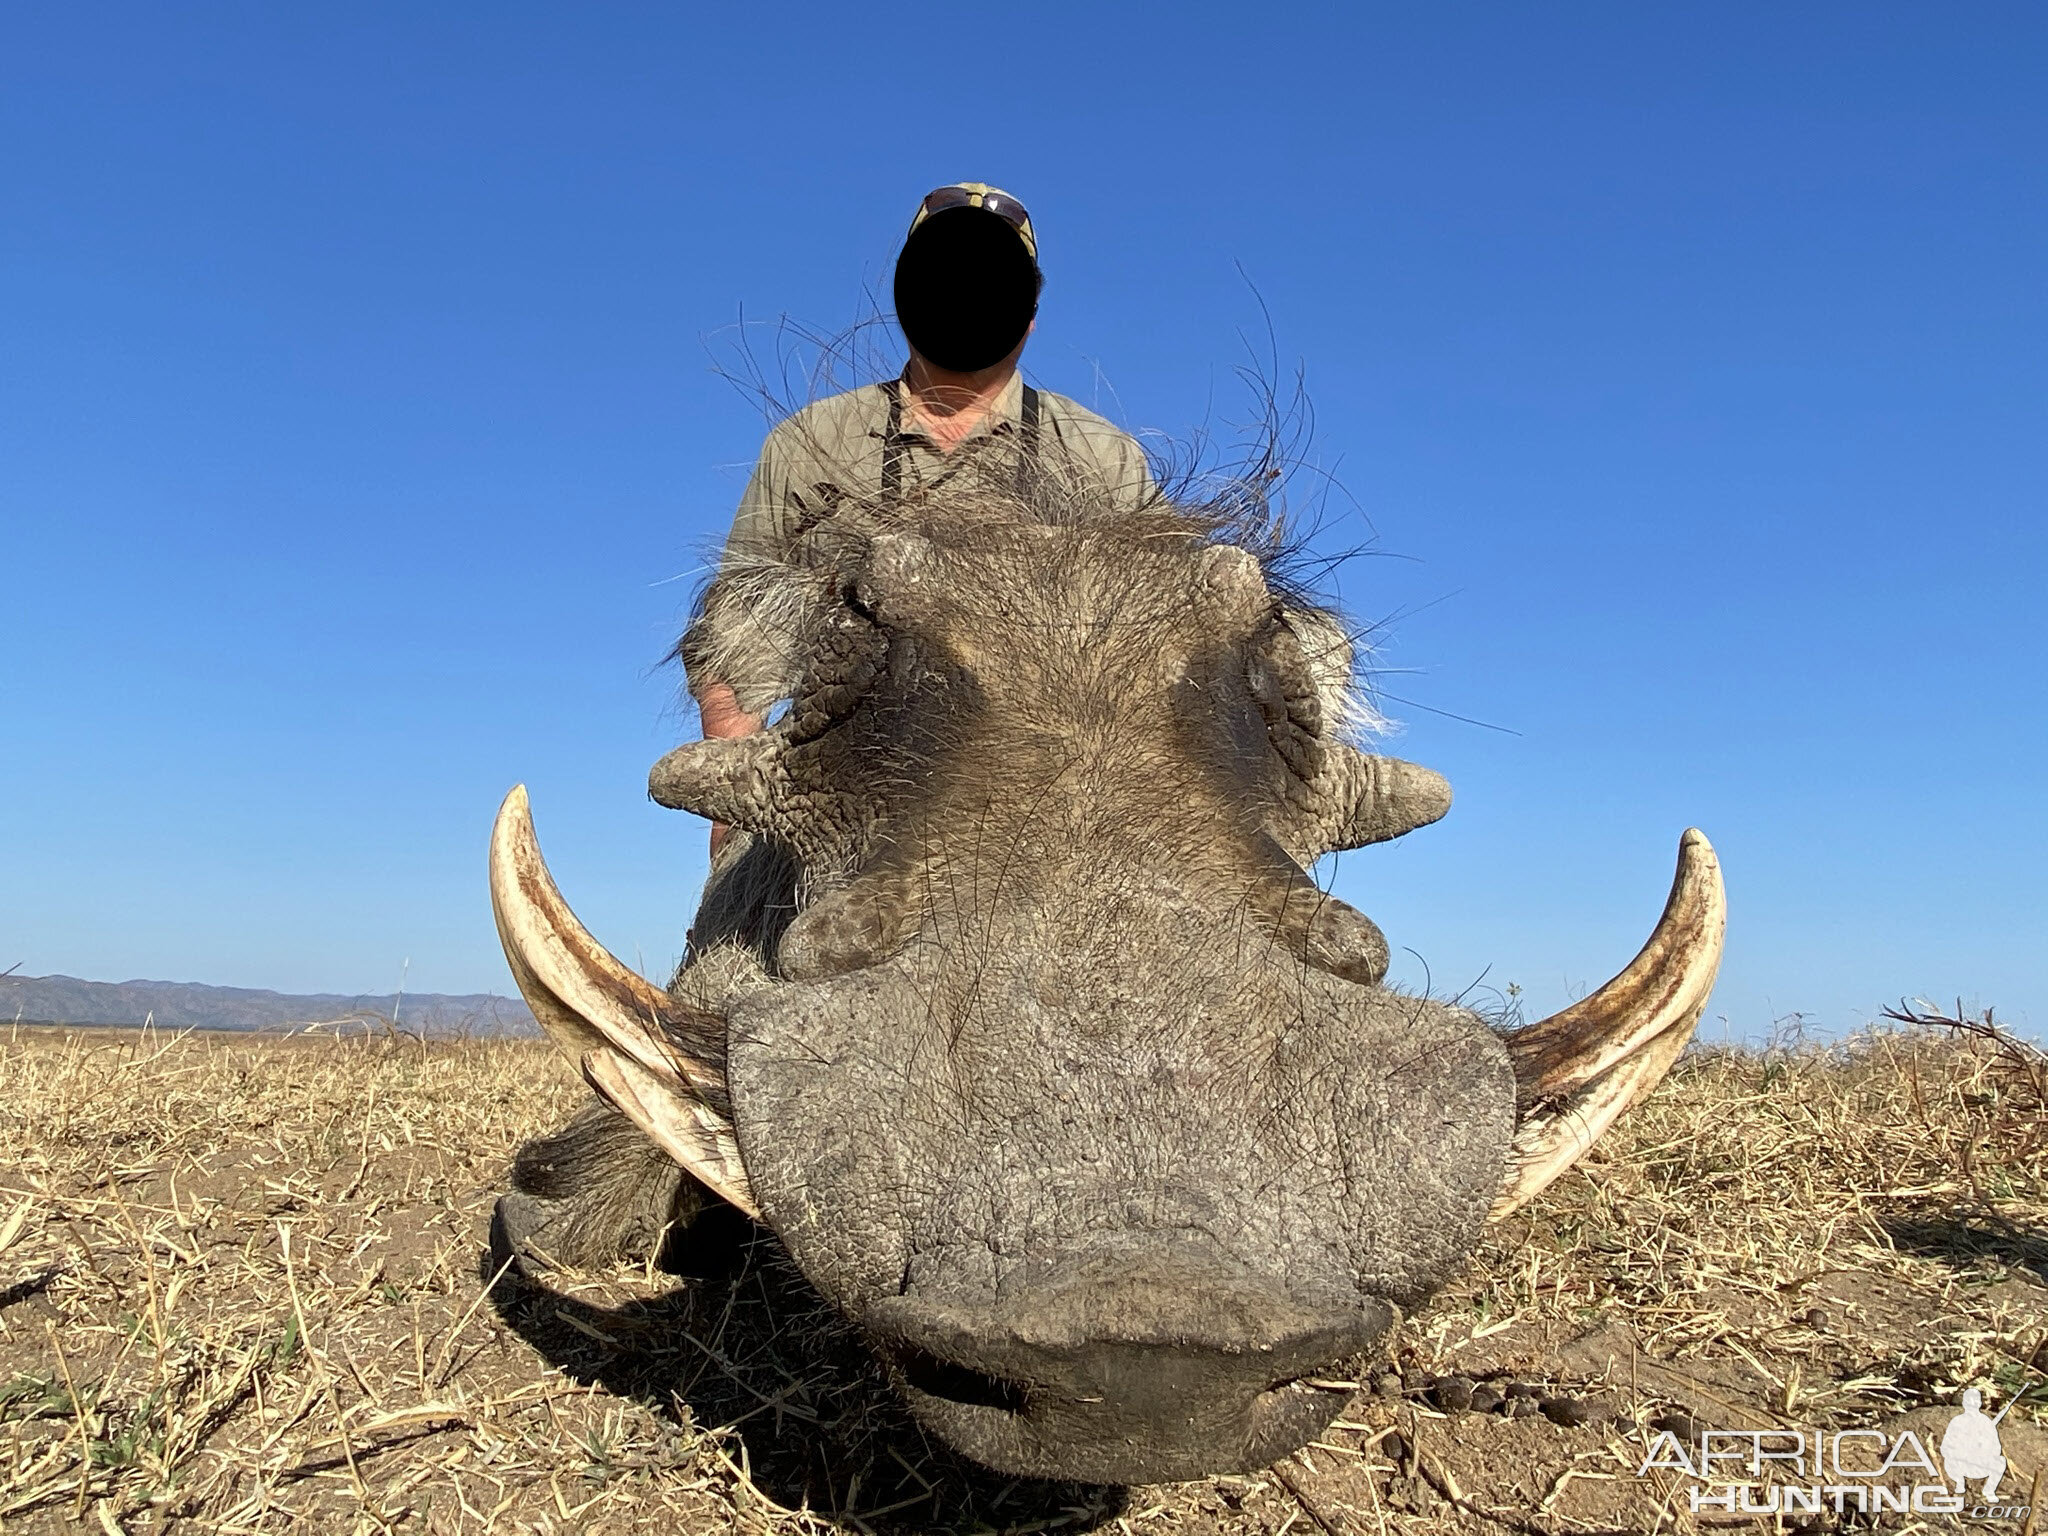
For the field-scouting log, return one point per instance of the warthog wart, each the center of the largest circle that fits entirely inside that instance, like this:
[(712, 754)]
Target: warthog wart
[(1049, 1064)]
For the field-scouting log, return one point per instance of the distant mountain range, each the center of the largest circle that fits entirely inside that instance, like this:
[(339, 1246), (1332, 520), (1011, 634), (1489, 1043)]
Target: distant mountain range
[(193, 1005)]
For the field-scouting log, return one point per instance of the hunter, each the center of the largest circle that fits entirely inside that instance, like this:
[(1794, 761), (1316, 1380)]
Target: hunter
[(967, 285)]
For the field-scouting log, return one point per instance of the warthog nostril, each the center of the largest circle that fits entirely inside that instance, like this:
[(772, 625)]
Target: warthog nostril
[(957, 1383)]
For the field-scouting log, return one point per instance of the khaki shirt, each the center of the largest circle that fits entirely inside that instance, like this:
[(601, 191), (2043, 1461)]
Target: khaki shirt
[(832, 451), (752, 623)]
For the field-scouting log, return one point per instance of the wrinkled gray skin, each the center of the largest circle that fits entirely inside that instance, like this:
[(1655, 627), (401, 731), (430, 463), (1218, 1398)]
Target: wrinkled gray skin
[(1065, 1085)]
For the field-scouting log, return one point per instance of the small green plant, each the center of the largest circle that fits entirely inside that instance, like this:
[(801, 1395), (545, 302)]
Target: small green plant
[(25, 1396)]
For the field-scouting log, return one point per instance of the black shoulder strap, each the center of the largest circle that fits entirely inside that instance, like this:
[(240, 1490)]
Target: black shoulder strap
[(892, 449), (1028, 455)]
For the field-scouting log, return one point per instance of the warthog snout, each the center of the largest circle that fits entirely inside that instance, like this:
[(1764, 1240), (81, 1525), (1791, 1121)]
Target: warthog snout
[(1126, 1366)]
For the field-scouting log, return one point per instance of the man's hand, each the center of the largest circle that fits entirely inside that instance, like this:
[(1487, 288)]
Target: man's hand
[(718, 707)]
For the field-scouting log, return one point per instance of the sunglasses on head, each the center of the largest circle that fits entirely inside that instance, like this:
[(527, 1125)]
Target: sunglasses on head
[(1001, 204)]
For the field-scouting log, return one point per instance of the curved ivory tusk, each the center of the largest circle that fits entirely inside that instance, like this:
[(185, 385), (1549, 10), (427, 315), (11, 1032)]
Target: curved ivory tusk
[(612, 1022), (1581, 1069), (685, 1127)]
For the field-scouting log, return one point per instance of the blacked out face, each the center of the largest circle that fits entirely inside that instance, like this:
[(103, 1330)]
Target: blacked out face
[(966, 289)]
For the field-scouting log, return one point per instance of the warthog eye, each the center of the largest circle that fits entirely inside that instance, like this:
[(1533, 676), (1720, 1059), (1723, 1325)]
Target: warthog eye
[(1285, 693), (844, 665), (852, 596)]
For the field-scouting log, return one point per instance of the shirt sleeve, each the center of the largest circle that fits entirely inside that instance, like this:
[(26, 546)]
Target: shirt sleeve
[(1109, 454), (762, 521), (1131, 483)]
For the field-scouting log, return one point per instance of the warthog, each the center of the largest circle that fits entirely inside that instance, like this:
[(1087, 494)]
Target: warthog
[(1066, 1084)]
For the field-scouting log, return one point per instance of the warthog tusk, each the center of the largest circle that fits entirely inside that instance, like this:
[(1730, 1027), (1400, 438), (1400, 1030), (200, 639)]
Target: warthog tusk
[(684, 1127), (1581, 1069), (616, 1025)]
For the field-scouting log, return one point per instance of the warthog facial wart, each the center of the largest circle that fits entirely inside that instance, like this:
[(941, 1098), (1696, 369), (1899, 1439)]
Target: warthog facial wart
[(1051, 1066)]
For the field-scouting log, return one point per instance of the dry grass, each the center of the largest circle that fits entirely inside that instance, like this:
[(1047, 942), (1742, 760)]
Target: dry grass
[(243, 1288)]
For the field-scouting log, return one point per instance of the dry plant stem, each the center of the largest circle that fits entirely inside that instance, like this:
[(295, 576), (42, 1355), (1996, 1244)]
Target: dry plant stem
[(1311, 1506), (78, 1412), (156, 1316)]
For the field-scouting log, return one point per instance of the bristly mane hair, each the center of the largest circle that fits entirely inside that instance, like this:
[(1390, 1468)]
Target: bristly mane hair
[(1252, 486)]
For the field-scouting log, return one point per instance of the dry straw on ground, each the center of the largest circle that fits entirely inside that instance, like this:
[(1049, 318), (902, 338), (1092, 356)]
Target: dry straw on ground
[(244, 1286)]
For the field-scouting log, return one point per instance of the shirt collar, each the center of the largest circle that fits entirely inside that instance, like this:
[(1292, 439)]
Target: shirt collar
[(1004, 412)]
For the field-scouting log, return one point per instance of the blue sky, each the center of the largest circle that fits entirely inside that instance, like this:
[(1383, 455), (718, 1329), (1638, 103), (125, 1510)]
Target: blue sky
[(359, 439)]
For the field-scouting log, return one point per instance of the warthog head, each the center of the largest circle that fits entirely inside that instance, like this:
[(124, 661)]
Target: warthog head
[(1067, 1085)]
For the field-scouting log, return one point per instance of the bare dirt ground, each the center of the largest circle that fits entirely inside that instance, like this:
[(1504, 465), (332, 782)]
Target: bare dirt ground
[(245, 1285)]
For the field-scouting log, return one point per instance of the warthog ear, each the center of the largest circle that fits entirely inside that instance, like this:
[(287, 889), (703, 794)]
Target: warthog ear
[(1580, 1070), (656, 1061), (1233, 582)]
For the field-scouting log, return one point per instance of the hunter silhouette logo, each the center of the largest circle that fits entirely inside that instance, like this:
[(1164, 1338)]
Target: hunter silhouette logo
[(1804, 1471), (1970, 1446)]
